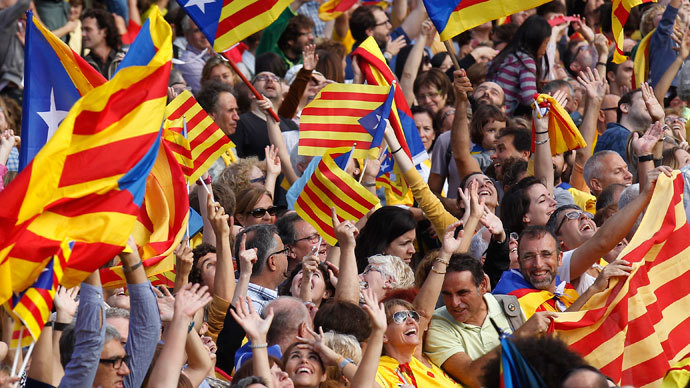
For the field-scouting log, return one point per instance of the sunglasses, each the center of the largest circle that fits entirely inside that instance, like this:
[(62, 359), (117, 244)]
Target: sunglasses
[(260, 212), (401, 316), (573, 215)]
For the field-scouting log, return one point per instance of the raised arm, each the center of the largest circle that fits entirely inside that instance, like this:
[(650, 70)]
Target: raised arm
[(543, 165), (414, 19), (348, 280), (66, 305), (460, 132), (683, 40), (414, 59), (595, 86), (198, 361), (276, 138), (247, 259), (224, 280), (184, 260), (256, 329), (273, 168)]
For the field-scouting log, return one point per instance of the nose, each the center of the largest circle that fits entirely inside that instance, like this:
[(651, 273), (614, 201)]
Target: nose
[(124, 370)]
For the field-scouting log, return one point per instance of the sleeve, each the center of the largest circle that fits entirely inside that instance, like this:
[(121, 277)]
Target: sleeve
[(89, 333), (288, 107), (442, 341), (271, 34), (661, 45), (497, 260), (144, 331), (11, 14), (439, 163), (528, 79), (564, 268), (229, 340), (577, 178), (429, 203), (216, 316)]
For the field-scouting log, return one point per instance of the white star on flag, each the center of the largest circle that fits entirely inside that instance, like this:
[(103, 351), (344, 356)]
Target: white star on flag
[(384, 165), (199, 3), (53, 117)]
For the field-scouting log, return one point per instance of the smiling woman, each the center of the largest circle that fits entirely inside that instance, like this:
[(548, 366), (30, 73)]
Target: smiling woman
[(304, 366)]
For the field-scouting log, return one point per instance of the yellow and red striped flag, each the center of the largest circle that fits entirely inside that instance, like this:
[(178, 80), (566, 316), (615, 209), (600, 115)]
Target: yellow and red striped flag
[(204, 142), (620, 10), (226, 22), (165, 279), (162, 220), (330, 186), (636, 329), (641, 61), (331, 9), (331, 120), (563, 132)]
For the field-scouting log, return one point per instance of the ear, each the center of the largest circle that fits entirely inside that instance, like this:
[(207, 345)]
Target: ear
[(385, 338), (560, 257), (241, 218), (601, 116), (595, 185), (486, 285), (611, 76), (525, 219), (231, 222), (625, 108), (563, 245), (525, 155), (369, 31), (271, 263)]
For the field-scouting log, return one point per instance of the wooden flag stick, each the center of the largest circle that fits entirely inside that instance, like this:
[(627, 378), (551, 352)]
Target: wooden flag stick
[(249, 84), (451, 50), (364, 168)]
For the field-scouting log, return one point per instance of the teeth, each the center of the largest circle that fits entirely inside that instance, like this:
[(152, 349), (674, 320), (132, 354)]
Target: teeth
[(484, 192), (412, 331), (303, 370)]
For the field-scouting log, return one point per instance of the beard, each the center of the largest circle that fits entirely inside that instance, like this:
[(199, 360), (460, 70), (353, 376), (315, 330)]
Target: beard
[(543, 282)]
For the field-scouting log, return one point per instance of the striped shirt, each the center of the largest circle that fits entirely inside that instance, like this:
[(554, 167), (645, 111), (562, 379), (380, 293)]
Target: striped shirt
[(517, 76)]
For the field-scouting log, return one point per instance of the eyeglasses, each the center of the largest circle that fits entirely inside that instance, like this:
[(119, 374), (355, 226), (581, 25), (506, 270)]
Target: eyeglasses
[(422, 97), (266, 77), (280, 252), (611, 108), (573, 215), (260, 211), (371, 267), (116, 362), (400, 317), (671, 120), (258, 180), (314, 238), (530, 257), (387, 21)]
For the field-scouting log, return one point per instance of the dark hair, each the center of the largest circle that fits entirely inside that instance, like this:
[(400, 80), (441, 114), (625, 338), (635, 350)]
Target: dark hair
[(344, 318), (534, 232), (260, 237), (286, 355), (284, 288), (554, 85), (208, 95), (292, 30), (512, 168), (625, 99), (210, 65), (247, 381), (522, 139), (330, 64), (438, 58), (270, 62), (551, 7), (247, 368), (606, 197), (552, 223), (528, 38), (105, 20), (361, 20), (504, 33), (286, 227), (484, 114), (438, 79), (516, 203), (460, 262), (198, 252), (401, 61), (384, 225), (549, 356), (249, 197)]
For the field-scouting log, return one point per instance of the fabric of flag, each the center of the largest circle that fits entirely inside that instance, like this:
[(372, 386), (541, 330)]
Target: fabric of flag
[(391, 179), (532, 300), (452, 17), (332, 119), (205, 142), (55, 77), (21, 337), (162, 220), (678, 375), (641, 61), (295, 190), (165, 279), (331, 9), (620, 11), (226, 22), (638, 328), (376, 122), (563, 133), (376, 72), (516, 371), (87, 183), (34, 305), (330, 186)]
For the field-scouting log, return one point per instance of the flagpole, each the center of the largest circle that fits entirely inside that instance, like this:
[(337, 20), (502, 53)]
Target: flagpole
[(26, 360), (361, 174), (451, 50), (17, 350), (249, 84)]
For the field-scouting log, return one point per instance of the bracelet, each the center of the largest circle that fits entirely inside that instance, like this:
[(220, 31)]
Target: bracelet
[(60, 326), (371, 184), (126, 269), (396, 150), (344, 362), (191, 326), (208, 180), (440, 260), (437, 271), (601, 63), (258, 346), (645, 158), (542, 132), (541, 142)]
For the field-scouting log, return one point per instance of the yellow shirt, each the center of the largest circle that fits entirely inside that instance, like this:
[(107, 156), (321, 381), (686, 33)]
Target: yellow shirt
[(389, 374)]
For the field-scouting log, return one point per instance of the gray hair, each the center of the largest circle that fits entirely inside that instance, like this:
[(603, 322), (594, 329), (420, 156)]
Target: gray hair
[(594, 166), (259, 237), (344, 344), (288, 314), (628, 195), (247, 381), (111, 333), (395, 268), (116, 312)]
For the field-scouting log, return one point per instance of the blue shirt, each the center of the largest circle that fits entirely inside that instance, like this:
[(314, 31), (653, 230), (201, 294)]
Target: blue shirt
[(661, 52), (614, 139)]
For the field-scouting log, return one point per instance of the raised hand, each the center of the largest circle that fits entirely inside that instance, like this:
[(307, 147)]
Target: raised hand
[(266, 105), (428, 30), (462, 85), (184, 258), (218, 218), (582, 27), (315, 342), (346, 232), (66, 304), (166, 303), (272, 160), (190, 299), (619, 268), (537, 324), (376, 312), (601, 43), (643, 145), (464, 198), (247, 257), (309, 57), (593, 83), (492, 223), (451, 242), (656, 111), (476, 204), (652, 177), (393, 46), (252, 323)]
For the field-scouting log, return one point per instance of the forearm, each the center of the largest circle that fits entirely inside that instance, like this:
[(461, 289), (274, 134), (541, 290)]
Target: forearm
[(290, 103), (469, 371), (413, 22), (224, 282), (60, 32), (425, 301), (365, 373), (666, 79), (209, 235), (181, 278), (134, 12), (260, 362), (582, 300), (305, 288), (42, 358), (348, 281), (460, 143), (166, 372), (276, 138), (136, 275), (398, 12), (642, 169), (414, 60), (588, 129), (543, 165), (144, 331), (198, 361), (270, 184), (241, 287)]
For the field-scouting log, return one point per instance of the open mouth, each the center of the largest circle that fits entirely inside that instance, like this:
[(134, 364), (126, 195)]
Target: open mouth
[(586, 227), (410, 332), (303, 370), (485, 192)]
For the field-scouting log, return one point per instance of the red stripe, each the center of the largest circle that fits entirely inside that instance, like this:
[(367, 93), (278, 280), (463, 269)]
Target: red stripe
[(111, 201), (88, 257), (111, 159), (341, 98), (144, 218), (243, 15), (468, 3), (335, 111), (46, 304), (334, 197), (329, 127), (343, 186), (123, 102), (319, 206), (193, 121), (204, 156), (178, 149), (182, 109), (329, 143), (621, 13)]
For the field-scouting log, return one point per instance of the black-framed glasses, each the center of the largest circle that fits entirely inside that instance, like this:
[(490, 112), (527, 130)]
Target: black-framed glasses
[(573, 215), (258, 180), (260, 211), (399, 317), (280, 252), (115, 362), (611, 108), (382, 23), (314, 238)]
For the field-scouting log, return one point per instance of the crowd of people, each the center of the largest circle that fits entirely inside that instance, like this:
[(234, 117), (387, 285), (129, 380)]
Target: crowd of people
[(421, 290)]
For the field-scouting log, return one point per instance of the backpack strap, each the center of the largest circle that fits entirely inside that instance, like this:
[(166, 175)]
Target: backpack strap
[(511, 308)]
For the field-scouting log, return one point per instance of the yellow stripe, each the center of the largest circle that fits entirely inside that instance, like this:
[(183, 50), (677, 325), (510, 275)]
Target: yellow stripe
[(86, 227), (339, 104), (259, 22), (178, 102), (323, 135)]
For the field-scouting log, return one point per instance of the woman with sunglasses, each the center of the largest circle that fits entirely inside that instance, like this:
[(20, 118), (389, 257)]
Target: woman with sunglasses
[(255, 206)]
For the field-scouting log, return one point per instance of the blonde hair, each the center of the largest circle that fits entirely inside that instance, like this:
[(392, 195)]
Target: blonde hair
[(647, 19), (236, 175), (345, 345), (395, 268)]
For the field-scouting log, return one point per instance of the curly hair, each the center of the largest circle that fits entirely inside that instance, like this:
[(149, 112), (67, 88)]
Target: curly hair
[(106, 21), (396, 269), (236, 175)]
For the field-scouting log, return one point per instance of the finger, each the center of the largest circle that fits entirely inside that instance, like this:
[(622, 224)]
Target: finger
[(334, 215), (166, 291), (242, 243), (157, 292)]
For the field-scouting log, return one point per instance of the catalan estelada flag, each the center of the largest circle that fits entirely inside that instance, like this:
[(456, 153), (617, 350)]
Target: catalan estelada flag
[(641, 61), (332, 119), (532, 300), (226, 22), (392, 180), (452, 17), (563, 133), (165, 279), (638, 328), (34, 305), (330, 186), (331, 9), (87, 183), (376, 71), (162, 220), (516, 371), (193, 135), (55, 77), (620, 11)]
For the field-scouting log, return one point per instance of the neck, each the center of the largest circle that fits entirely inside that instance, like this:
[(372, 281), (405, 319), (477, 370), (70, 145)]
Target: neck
[(633, 125), (102, 51), (479, 318), (400, 354), (266, 280), (291, 54)]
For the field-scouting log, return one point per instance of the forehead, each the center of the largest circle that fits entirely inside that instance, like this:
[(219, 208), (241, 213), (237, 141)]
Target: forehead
[(379, 14), (90, 22), (211, 256), (490, 86), (227, 100), (613, 160), (478, 177), (536, 244), (268, 73), (112, 348), (455, 281)]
